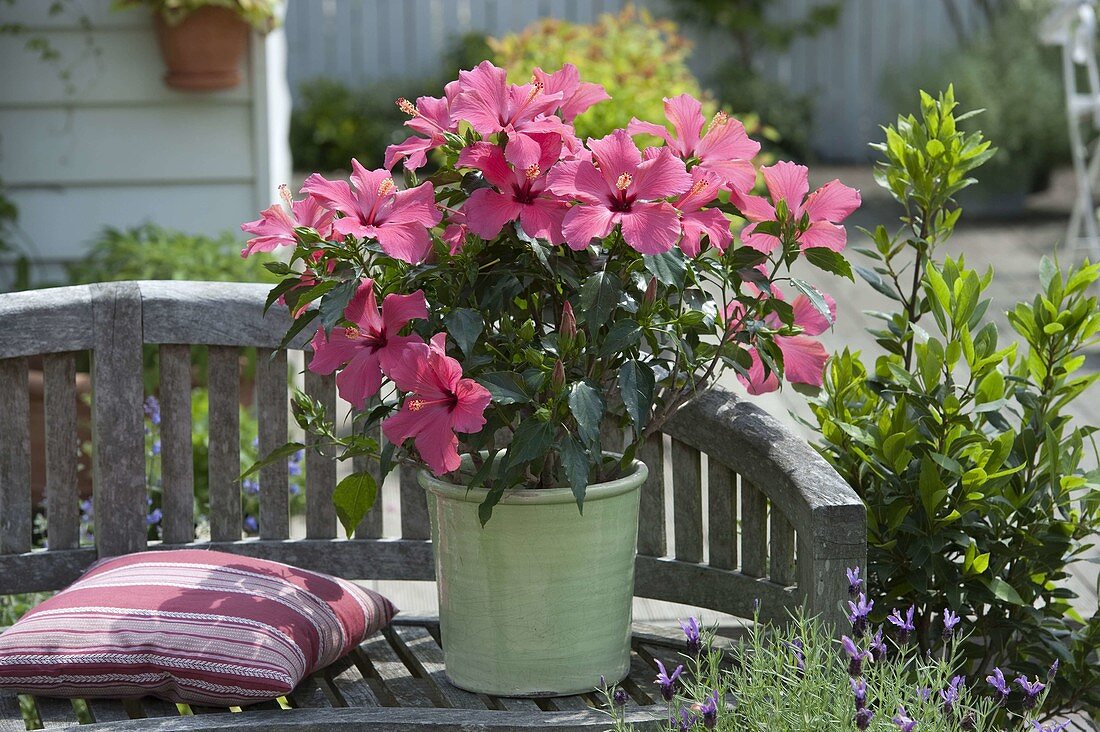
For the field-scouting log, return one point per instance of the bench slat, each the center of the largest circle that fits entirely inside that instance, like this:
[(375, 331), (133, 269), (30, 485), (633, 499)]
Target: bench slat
[(11, 715), (107, 710), (15, 458), (55, 713), (414, 506), (425, 654), (224, 456), (271, 406), (309, 694), (177, 460), (62, 448), (721, 514), (320, 470), (118, 428), (687, 502), (781, 564), (754, 528), (651, 525), (352, 688), (394, 674)]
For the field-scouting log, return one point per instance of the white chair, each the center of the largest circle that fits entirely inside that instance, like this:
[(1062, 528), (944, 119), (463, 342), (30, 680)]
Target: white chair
[(1073, 26)]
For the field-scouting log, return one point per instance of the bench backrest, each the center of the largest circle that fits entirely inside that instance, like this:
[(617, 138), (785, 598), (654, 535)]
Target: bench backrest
[(776, 524)]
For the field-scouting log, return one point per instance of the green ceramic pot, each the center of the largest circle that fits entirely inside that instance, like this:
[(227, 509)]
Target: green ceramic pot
[(538, 601)]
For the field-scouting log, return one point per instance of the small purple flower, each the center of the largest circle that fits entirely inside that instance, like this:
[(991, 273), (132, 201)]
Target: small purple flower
[(950, 621), (154, 517), (687, 720), (667, 681), (294, 469), (255, 443), (1031, 689), (902, 720), (878, 645), (950, 695), (859, 611), (295, 489), (250, 486), (155, 448), (855, 584), (251, 525), (924, 692), (87, 508), (1053, 670), (863, 718), (1052, 727), (997, 681), (904, 625), (856, 656), (691, 632), (859, 691), (799, 656), (151, 408), (709, 710), (755, 605), (620, 698)]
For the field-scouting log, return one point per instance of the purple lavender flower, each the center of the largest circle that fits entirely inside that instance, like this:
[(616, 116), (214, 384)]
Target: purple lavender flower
[(902, 720), (155, 448), (295, 489), (667, 681), (687, 720), (1052, 727), (755, 605), (859, 691), (799, 656), (1053, 670), (950, 621), (950, 695), (1031, 689), (709, 710), (855, 584), (151, 408), (924, 692), (250, 486), (251, 525), (863, 718), (691, 632), (878, 645), (997, 681), (619, 698), (154, 517), (87, 508), (904, 625), (856, 656), (858, 613)]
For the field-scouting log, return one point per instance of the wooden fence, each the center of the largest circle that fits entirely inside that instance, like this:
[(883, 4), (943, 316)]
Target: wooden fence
[(853, 72)]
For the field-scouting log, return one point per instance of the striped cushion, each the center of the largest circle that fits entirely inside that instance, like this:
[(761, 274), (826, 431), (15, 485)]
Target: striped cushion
[(189, 626)]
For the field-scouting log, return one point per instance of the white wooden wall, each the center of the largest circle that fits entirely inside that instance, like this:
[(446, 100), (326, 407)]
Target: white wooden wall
[(115, 146), (847, 70)]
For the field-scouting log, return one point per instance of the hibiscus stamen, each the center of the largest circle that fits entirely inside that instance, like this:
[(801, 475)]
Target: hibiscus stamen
[(719, 119), (352, 333), (698, 186), (386, 187), (624, 181), (416, 405), (284, 193), (532, 171), (407, 107), (536, 89)]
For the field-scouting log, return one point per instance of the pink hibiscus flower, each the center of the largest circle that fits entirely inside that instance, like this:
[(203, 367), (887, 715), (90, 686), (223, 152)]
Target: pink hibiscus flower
[(697, 222), (275, 227), (725, 148), (826, 208), (431, 117), (804, 356), (576, 95), (519, 194), (371, 346), (622, 189), (399, 220), (439, 403), (454, 236), (490, 104)]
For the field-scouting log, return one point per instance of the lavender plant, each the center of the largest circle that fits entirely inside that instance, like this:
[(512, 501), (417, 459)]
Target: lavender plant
[(798, 678)]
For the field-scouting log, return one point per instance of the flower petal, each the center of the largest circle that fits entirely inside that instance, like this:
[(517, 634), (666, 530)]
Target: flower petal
[(809, 318), (753, 208), (360, 379), (487, 211), (578, 179), (489, 159), (638, 127), (756, 383), (584, 223), (542, 219), (803, 359), (760, 242), (333, 351), (397, 310), (482, 99), (471, 401), (686, 115), (413, 151), (651, 228), (660, 177), (363, 308), (711, 222), (824, 234), (787, 182), (522, 150), (334, 194), (438, 446), (414, 205), (408, 242), (616, 154), (833, 201)]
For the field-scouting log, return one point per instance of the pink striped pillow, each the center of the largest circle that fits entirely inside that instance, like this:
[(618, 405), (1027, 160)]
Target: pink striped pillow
[(189, 626)]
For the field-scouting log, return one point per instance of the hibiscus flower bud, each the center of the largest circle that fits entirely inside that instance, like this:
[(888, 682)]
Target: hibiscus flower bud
[(558, 377), (568, 330), (650, 292)]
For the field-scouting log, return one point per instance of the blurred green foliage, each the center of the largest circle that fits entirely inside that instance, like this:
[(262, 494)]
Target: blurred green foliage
[(638, 59)]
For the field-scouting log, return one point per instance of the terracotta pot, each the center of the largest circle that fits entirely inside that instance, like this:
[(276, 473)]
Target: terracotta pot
[(203, 51)]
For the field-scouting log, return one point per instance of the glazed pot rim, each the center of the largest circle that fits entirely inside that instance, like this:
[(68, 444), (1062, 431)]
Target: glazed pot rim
[(531, 496)]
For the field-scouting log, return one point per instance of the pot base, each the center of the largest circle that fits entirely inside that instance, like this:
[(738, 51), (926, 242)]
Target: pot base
[(535, 694)]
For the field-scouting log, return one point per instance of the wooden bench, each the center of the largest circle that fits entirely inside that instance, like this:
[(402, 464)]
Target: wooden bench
[(780, 525)]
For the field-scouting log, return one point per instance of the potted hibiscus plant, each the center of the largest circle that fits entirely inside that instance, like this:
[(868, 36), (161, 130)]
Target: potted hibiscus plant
[(506, 320)]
